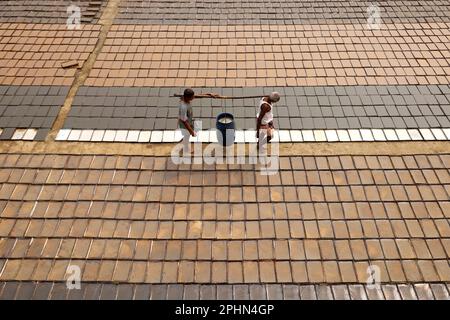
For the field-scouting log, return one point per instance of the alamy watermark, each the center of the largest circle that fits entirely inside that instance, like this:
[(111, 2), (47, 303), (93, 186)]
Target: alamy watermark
[(261, 153), (74, 279), (374, 277), (374, 17), (73, 21)]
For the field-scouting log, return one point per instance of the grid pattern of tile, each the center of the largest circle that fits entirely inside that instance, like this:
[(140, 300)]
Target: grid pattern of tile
[(273, 55), (278, 12), (310, 108), (145, 220), (25, 107), (48, 11), (32, 54), (108, 291)]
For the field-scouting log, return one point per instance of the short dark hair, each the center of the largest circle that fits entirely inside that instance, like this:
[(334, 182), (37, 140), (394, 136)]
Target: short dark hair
[(188, 93)]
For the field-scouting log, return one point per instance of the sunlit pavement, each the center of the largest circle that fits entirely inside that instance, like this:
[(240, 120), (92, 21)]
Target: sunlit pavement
[(357, 209)]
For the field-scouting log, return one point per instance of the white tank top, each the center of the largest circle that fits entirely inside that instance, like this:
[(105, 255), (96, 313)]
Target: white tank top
[(268, 116)]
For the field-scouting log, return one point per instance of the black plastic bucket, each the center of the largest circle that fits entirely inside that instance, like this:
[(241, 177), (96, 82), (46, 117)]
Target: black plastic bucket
[(225, 129)]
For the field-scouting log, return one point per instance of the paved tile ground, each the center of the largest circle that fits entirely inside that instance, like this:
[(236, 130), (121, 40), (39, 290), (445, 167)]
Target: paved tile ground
[(32, 53), (145, 220), (273, 55), (319, 107), (140, 227), (29, 107), (107, 291), (48, 11), (282, 12)]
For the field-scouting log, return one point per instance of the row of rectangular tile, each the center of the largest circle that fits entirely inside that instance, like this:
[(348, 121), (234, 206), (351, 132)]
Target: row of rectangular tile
[(58, 290), (249, 136)]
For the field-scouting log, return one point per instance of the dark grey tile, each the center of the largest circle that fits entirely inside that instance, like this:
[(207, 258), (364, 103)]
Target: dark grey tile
[(175, 292), (258, 292), (9, 290), (25, 291), (125, 292), (291, 292), (59, 291), (274, 292), (142, 292), (307, 292), (241, 292), (42, 291), (159, 292), (192, 292), (207, 292), (224, 292), (109, 292), (92, 291)]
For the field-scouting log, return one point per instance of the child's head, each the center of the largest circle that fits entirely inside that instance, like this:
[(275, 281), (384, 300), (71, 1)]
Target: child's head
[(188, 95)]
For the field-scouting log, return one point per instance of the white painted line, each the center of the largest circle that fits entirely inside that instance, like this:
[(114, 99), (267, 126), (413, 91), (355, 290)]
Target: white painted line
[(213, 136), (403, 134), (239, 136), (438, 134), (18, 134), (308, 135), (366, 134), (390, 135), (97, 135), (426, 134), (62, 135), (343, 135), (284, 135), (168, 136), (244, 136), (133, 136), (203, 136), (121, 136), (156, 136), (296, 136), (319, 136), (29, 134), (414, 134), (447, 133), (355, 135), (194, 139), (331, 135), (378, 135), (276, 136), (74, 135), (109, 135), (86, 135), (177, 136), (144, 136), (250, 136)]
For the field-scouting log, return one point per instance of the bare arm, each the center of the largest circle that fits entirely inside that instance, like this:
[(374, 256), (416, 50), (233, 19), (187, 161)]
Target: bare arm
[(188, 127)]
